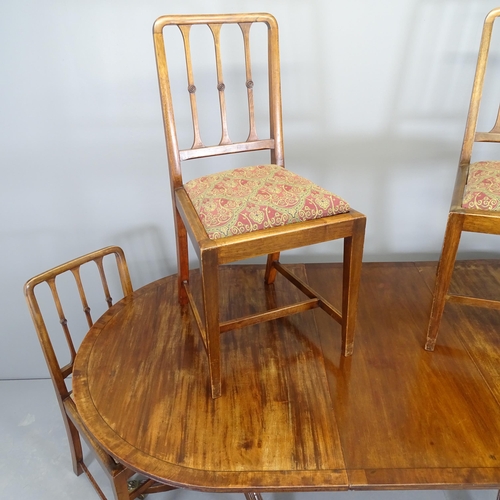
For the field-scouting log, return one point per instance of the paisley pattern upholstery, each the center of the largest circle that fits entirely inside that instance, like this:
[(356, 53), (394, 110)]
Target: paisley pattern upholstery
[(258, 197), (482, 191)]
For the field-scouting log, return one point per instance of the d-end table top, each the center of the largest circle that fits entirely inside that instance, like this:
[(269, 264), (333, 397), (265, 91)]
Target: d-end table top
[(295, 414)]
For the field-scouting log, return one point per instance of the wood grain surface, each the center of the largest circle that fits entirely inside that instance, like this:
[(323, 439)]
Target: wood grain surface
[(295, 414)]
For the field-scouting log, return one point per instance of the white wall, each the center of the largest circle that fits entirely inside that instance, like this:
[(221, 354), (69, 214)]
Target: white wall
[(375, 96)]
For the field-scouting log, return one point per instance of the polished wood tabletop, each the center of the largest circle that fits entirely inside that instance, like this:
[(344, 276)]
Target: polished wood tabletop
[(295, 414)]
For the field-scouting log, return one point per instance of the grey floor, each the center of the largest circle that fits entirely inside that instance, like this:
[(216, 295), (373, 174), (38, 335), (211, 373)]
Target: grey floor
[(35, 463)]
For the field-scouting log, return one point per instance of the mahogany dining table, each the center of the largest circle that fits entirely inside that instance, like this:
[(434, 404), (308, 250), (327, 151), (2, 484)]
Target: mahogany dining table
[(295, 414)]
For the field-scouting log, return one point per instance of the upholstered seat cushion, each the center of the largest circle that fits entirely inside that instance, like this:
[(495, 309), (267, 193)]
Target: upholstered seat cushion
[(258, 197), (482, 191)]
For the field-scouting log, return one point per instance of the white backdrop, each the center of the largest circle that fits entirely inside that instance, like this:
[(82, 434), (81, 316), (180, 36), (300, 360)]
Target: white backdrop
[(375, 96)]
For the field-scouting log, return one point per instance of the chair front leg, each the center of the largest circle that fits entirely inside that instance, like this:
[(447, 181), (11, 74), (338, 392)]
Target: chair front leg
[(353, 258), (443, 276), (210, 288)]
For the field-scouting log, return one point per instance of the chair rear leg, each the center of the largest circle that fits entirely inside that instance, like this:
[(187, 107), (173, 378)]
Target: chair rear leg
[(353, 258), (182, 258), (75, 444), (443, 276), (210, 288), (120, 485), (270, 275)]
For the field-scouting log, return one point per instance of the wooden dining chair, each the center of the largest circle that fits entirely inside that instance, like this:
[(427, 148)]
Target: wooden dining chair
[(475, 205), (249, 211), (124, 488)]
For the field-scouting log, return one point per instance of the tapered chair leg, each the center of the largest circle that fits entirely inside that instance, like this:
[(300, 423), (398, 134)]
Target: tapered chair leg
[(270, 275), (120, 485), (182, 258), (210, 289), (353, 256), (443, 276), (75, 445)]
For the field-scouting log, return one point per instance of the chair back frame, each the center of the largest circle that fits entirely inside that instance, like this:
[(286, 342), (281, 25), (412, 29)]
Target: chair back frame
[(60, 373), (198, 150)]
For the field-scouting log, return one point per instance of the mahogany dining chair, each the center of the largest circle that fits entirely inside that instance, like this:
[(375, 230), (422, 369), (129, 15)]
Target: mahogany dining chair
[(60, 364), (247, 211), (475, 205)]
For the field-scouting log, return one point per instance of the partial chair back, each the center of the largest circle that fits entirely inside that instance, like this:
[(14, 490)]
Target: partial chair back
[(471, 133), (59, 371), (215, 25)]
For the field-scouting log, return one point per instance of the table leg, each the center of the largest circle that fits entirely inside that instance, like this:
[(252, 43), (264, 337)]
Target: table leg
[(255, 496)]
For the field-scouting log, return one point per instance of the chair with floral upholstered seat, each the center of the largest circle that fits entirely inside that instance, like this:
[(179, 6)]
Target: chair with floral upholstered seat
[(243, 212), (475, 205)]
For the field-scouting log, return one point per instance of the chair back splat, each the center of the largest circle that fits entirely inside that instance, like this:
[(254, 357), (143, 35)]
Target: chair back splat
[(242, 212)]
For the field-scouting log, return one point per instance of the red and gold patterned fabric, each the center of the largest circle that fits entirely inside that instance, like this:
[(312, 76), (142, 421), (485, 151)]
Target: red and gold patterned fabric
[(259, 197), (482, 191)]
